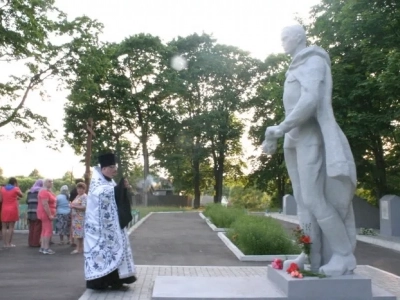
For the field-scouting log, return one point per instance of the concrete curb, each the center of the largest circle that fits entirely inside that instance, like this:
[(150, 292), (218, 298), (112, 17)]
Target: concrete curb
[(203, 216), (362, 238), (211, 225), (242, 257), (378, 242)]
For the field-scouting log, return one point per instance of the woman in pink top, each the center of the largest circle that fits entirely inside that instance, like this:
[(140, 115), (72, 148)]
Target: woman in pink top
[(9, 195), (46, 212)]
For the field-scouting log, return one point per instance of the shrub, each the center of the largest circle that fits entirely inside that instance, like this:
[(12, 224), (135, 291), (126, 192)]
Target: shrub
[(367, 231), (249, 198), (221, 216), (256, 235)]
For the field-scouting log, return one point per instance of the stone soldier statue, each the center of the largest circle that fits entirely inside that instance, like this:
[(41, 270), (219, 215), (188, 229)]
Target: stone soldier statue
[(318, 157)]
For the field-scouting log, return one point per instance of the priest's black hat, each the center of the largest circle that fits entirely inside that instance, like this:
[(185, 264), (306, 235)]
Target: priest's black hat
[(106, 160)]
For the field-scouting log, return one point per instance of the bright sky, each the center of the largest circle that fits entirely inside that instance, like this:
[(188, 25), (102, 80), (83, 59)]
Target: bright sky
[(252, 25)]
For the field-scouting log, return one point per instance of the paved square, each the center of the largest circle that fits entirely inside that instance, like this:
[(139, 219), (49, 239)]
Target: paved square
[(142, 289)]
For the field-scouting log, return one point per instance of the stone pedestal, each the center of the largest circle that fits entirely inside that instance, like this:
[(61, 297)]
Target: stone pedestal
[(389, 207), (277, 286), (289, 205), (353, 287)]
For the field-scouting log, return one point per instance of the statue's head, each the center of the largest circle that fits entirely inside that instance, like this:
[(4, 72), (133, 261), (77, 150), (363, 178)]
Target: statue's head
[(293, 37)]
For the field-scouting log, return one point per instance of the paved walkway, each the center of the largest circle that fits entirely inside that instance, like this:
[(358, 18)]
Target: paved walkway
[(27, 274), (180, 239)]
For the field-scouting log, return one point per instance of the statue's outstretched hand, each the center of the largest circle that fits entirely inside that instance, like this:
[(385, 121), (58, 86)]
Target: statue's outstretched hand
[(273, 132), (269, 146)]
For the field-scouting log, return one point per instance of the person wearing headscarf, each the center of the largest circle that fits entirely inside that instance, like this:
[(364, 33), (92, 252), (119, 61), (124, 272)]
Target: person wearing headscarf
[(35, 225), (107, 251), (63, 223), (9, 195)]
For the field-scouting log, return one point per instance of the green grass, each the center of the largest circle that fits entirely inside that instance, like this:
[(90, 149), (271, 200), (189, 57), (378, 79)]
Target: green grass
[(256, 235), (221, 216)]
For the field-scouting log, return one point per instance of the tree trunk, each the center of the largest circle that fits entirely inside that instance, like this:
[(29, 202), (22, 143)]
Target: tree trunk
[(380, 171), (118, 156), (146, 169), (196, 183), (215, 169), (280, 184), (219, 177)]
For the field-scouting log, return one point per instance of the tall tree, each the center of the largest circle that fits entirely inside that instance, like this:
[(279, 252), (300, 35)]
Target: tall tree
[(95, 93), (185, 119), (209, 93), (269, 173), (68, 177), (140, 66), (362, 39), (35, 174), (225, 89), (27, 42)]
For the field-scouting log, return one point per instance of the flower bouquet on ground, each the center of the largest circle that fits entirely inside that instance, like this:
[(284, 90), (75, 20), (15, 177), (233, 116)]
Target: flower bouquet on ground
[(304, 241), (294, 270)]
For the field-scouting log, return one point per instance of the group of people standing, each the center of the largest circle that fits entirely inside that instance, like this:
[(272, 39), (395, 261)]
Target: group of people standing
[(67, 209), (101, 218)]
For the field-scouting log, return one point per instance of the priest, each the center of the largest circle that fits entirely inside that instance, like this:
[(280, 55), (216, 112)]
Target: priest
[(107, 251)]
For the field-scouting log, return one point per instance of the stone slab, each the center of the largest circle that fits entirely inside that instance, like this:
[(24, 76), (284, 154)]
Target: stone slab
[(261, 288), (381, 294), (214, 288), (389, 215), (289, 205), (341, 287)]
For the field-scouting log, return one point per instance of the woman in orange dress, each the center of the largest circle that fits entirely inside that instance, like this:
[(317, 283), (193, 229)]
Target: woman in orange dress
[(9, 195), (46, 212)]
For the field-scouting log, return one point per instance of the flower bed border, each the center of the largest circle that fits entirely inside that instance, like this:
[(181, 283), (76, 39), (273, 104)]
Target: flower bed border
[(242, 257), (211, 225)]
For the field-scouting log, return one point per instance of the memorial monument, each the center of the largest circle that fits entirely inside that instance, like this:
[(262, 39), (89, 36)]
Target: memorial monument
[(323, 174), (318, 157)]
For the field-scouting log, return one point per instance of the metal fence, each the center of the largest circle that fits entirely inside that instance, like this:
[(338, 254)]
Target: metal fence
[(22, 224)]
